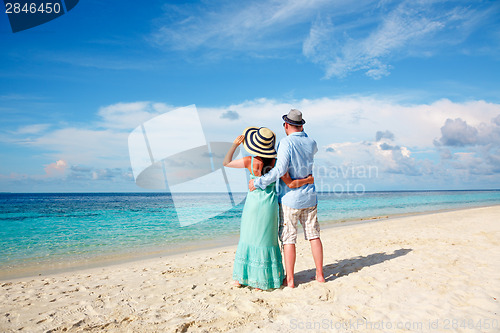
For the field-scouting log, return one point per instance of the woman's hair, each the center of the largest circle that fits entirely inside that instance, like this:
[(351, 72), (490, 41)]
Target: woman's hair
[(268, 165)]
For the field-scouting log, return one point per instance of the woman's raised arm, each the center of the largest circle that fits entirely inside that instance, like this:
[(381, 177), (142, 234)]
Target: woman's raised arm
[(228, 160)]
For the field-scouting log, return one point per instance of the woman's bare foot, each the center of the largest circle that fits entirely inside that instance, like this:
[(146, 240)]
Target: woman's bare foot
[(236, 284)]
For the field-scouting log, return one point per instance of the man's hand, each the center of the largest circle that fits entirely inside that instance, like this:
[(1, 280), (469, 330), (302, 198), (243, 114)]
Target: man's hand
[(250, 185)]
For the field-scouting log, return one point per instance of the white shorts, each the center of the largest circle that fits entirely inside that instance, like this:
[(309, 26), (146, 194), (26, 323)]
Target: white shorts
[(289, 217)]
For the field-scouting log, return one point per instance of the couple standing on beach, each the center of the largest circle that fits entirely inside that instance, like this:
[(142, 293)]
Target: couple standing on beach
[(258, 261)]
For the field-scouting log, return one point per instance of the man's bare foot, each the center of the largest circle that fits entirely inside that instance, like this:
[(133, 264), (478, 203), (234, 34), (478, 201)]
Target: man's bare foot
[(320, 278), (289, 283)]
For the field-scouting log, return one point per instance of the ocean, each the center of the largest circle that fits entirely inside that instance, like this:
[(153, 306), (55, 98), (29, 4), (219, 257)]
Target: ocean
[(49, 232)]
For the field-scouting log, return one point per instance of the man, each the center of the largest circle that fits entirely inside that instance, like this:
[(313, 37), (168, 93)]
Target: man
[(295, 155)]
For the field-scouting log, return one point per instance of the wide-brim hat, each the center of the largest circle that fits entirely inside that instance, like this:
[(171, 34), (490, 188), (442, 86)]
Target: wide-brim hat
[(294, 117), (259, 141)]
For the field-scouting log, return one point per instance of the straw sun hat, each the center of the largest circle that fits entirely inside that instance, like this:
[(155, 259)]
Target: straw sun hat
[(259, 141)]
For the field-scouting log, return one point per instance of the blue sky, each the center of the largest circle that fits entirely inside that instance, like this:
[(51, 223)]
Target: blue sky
[(408, 88)]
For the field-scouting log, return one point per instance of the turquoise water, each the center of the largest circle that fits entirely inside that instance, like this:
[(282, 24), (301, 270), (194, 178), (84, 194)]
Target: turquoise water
[(371, 204), (50, 229)]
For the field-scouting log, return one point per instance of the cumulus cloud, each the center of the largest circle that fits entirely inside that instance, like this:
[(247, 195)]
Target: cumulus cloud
[(445, 154), (404, 164), (386, 158), (56, 169), (476, 148), (231, 115), (457, 133), (496, 120), (347, 128), (384, 135), (103, 141), (385, 146)]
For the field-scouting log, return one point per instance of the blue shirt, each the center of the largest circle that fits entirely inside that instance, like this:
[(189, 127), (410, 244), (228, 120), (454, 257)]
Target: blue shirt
[(295, 155)]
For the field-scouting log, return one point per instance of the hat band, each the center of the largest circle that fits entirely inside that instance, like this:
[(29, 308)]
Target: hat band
[(256, 143), (258, 138), (293, 122), (264, 139)]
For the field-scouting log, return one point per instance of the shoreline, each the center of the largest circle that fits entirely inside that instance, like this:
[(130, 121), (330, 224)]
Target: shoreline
[(119, 258), (348, 222)]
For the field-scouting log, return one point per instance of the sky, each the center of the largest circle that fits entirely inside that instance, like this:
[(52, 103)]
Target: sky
[(399, 95)]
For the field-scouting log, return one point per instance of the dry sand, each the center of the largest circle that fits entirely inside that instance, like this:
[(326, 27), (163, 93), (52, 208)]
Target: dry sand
[(431, 273)]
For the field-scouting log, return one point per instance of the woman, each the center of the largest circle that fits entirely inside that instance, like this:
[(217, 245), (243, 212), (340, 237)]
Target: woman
[(258, 258)]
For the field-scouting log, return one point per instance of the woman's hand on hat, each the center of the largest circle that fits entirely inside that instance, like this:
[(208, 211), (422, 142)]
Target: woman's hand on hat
[(239, 140)]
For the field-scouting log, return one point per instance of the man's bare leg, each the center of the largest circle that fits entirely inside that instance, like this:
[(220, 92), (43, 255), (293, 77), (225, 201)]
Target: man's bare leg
[(289, 254), (317, 252)]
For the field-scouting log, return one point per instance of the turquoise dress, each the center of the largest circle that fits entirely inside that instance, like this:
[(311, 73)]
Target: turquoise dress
[(258, 257)]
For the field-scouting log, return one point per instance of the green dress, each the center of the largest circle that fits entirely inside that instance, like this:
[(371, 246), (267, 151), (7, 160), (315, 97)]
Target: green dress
[(258, 257)]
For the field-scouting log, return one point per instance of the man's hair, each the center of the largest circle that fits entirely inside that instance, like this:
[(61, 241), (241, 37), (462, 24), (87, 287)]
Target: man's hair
[(295, 126)]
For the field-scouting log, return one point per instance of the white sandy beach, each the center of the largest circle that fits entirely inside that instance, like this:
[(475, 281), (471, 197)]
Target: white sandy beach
[(428, 273)]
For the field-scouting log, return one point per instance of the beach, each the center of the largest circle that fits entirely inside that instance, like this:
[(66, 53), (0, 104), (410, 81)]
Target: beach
[(437, 272)]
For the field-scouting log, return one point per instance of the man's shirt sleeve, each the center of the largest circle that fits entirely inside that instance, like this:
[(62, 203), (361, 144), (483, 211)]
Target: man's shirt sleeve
[(281, 167)]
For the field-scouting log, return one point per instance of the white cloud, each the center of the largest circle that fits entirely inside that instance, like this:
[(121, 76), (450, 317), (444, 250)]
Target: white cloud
[(32, 129), (102, 144), (386, 158), (397, 138), (456, 132), (87, 146), (479, 146), (351, 118), (257, 26), (411, 28), (342, 36), (56, 169), (384, 135), (127, 116)]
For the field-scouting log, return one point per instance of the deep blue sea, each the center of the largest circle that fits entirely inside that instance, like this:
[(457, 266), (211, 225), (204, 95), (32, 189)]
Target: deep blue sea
[(47, 232)]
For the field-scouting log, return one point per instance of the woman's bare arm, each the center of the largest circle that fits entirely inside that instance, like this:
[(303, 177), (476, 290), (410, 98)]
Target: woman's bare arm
[(228, 160), (296, 183)]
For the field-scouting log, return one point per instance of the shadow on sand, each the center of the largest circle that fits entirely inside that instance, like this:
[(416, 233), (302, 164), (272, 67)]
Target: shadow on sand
[(347, 266)]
